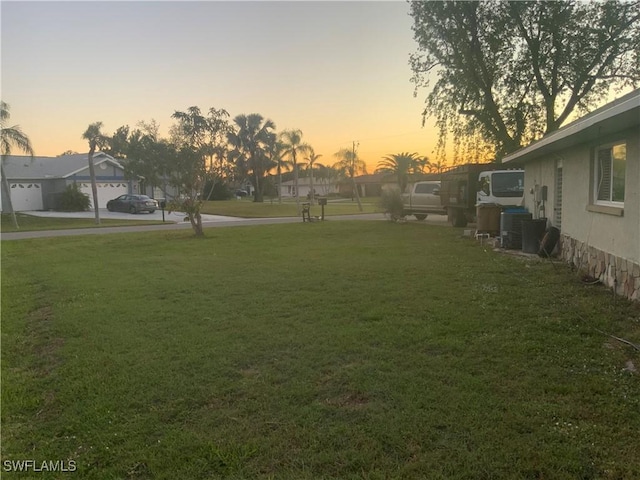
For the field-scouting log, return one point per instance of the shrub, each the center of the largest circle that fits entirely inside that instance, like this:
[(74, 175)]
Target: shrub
[(391, 204), (73, 200), (216, 191)]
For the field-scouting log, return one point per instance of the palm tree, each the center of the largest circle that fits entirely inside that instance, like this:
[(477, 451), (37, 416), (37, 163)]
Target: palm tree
[(253, 144), (436, 167), (402, 165), (292, 147), (350, 165), (96, 140), (277, 157), (326, 175), (11, 136), (311, 159)]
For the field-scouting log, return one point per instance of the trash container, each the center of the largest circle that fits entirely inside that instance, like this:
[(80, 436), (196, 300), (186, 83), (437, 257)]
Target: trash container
[(488, 218), (532, 233)]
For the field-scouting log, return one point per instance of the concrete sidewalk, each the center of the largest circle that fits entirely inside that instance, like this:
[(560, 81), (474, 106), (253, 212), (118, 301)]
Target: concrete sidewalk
[(212, 221), (174, 217)]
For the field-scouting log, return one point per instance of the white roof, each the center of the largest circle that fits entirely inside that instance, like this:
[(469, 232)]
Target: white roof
[(64, 166)]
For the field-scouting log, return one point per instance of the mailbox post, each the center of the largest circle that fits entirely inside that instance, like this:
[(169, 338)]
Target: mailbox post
[(162, 202), (322, 202)]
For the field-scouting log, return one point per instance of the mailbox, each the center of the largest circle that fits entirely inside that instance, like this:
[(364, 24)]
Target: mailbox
[(162, 203), (322, 201)]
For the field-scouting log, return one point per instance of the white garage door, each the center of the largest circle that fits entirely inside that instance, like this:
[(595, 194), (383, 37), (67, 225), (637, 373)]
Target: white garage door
[(106, 191), (26, 196)]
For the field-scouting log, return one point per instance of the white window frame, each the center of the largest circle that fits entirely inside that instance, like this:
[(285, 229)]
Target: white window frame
[(596, 175)]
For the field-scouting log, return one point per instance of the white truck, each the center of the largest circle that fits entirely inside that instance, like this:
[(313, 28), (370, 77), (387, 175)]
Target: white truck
[(421, 199), (466, 186)]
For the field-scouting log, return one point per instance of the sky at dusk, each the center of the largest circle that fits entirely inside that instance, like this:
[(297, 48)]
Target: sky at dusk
[(338, 71)]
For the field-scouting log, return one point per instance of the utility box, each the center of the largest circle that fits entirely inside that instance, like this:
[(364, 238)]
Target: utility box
[(511, 228)]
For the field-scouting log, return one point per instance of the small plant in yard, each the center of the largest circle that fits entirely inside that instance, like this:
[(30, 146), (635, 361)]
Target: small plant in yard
[(73, 200), (391, 204)]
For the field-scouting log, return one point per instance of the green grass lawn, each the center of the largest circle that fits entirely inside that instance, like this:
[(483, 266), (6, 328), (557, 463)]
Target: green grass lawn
[(32, 223), (346, 350), (246, 208)]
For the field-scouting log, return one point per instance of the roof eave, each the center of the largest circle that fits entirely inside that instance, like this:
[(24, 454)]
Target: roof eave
[(619, 115)]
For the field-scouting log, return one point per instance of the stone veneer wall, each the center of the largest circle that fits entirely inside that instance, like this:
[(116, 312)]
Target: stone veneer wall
[(604, 266)]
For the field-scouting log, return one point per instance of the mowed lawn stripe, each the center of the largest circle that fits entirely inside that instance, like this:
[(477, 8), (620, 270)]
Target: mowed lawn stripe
[(324, 350)]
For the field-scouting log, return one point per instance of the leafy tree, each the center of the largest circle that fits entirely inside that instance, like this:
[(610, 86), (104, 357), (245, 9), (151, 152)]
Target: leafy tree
[(402, 165), (11, 137), (96, 140), (253, 145), (68, 152), (512, 71), (219, 168), (350, 165), (148, 158), (198, 139), (293, 147), (311, 159), (142, 153), (118, 144)]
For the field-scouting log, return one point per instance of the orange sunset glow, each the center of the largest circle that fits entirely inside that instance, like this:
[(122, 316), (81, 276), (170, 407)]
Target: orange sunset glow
[(338, 71)]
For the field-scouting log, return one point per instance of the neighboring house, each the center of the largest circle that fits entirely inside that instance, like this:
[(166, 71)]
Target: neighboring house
[(591, 171), (321, 186), (370, 185), (35, 184)]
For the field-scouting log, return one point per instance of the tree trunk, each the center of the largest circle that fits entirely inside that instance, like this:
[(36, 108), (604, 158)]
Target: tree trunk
[(7, 188), (355, 189), (312, 195), (295, 176), (279, 183), (257, 194), (94, 187), (196, 223)]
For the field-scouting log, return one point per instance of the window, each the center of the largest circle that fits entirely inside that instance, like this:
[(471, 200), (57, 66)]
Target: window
[(508, 184), (426, 187), (609, 172), (485, 186)]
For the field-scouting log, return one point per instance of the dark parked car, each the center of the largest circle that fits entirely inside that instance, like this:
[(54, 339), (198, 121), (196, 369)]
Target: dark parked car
[(241, 193), (132, 204)]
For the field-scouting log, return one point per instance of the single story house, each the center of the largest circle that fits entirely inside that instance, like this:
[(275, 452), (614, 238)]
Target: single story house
[(585, 179), (321, 186), (369, 185), (36, 183)]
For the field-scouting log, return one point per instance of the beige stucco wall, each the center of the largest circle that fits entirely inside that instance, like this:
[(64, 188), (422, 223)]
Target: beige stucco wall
[(618, 235)]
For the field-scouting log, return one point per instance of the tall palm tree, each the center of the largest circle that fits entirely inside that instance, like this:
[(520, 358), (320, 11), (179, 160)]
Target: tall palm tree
[(252, 144), (402, 165), (350, 165), (97, 140), (277, 157), (11, 136), (311, 159), (293, 147)]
